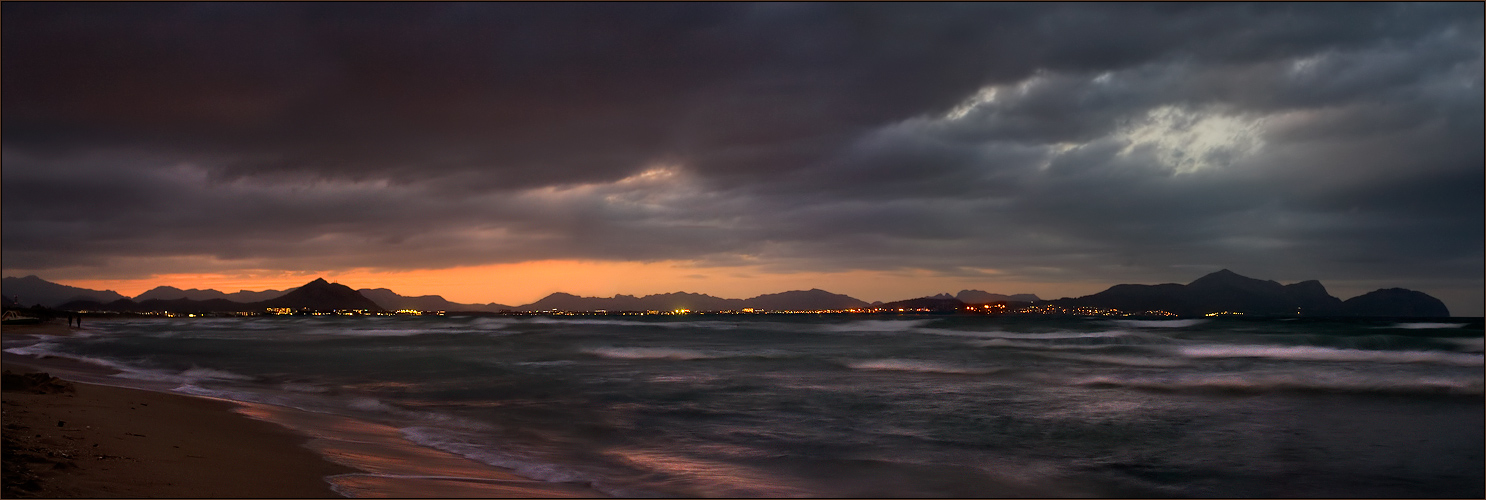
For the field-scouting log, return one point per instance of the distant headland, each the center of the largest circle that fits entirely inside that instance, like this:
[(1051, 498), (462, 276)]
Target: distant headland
[(1222, 293)]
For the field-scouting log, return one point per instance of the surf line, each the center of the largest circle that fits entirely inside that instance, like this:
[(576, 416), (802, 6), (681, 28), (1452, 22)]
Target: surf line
[(441, 478)]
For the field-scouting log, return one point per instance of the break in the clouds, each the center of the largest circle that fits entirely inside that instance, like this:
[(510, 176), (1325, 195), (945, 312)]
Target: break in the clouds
[(1032, 142)]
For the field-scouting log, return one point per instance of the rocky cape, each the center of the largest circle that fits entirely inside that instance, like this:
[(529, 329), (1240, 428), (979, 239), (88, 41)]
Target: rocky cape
[(1227, 291)]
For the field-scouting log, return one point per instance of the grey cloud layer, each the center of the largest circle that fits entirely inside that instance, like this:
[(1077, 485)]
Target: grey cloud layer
[(1126, 142)]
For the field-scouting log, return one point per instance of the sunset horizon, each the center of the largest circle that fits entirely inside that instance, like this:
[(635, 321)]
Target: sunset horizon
[(455, 284)]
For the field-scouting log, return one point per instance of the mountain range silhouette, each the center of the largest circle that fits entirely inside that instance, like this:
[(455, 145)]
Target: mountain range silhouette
[(1218, 292)]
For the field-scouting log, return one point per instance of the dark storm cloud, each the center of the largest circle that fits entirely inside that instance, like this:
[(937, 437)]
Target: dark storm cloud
[(1125, 141)]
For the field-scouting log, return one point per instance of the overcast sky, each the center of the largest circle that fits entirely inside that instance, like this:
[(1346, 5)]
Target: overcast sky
[(738, 149)]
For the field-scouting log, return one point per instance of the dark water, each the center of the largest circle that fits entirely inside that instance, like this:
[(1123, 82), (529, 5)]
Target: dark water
[(879, 406)]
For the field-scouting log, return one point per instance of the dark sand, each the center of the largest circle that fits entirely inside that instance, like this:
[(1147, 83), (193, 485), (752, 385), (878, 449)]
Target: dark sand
[(73, 439)]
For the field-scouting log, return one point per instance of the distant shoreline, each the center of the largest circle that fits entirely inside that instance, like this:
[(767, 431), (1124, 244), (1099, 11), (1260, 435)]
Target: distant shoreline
[(1221, 293)]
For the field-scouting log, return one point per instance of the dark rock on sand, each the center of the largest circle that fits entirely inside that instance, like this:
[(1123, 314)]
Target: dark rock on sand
[(35, 383)]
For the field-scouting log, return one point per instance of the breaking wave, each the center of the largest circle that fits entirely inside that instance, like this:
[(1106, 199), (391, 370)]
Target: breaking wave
[(909, 365), (197, 373), (1309, 353), (647, 353), (447, 441), (1017, 344), (1167, 323)]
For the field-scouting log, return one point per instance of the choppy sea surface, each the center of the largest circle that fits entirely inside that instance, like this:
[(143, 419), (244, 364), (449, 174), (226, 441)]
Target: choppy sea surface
[(865, 406)]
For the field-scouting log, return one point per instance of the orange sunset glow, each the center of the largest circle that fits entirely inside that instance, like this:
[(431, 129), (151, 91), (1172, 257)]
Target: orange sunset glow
[(522, 283)]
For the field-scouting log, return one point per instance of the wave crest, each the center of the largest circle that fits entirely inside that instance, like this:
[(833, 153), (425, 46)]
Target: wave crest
[(647, 353), (910, 365), (1161, 323)]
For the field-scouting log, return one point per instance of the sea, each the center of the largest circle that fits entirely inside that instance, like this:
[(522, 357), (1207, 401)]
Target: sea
[(805, 405)]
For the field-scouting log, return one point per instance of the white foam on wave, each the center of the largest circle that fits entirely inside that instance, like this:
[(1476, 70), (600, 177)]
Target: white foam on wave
[(192, 375), (1427, 326), (197, 372), (1312, 353), (197, 390), (371, 404), (1017, 344), (443, 440), (543, 364), (241, 396), (912, 365), (647, 353), (684, 378), (37, 350), (1162, 323), (48, 349), (485, 325)]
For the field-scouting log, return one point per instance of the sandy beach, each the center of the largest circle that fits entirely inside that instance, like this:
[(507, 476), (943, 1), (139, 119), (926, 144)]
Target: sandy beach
[(72, 439)]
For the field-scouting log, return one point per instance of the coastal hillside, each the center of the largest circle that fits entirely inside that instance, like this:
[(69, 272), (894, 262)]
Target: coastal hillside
[(321, 295), (794, 300), (318, 295), (804, 300), (32, 290), (243, 296), (938, 303), (657, 302), (984, 297)]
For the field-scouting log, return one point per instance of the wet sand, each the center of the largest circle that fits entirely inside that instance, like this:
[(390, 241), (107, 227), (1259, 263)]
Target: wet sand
[(74, 439), (97, 441)]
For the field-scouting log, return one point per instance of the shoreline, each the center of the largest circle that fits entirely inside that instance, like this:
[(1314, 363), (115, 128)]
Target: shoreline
[(98, 439), (102, 441)]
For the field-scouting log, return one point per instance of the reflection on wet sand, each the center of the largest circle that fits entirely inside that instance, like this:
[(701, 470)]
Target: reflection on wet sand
[(394, 467)]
